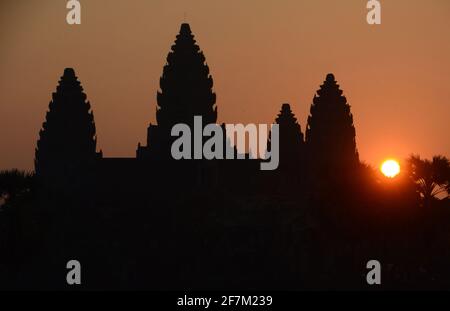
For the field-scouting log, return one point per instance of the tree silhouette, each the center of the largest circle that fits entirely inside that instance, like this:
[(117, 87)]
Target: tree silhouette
[(330, 133), (14, 183), (67, 142), (432, 177)]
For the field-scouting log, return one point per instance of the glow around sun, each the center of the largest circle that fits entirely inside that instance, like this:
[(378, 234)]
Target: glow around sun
[(390, 168)]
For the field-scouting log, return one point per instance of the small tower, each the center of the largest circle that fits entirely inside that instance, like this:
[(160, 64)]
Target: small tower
[(291, 150), (291, 136)]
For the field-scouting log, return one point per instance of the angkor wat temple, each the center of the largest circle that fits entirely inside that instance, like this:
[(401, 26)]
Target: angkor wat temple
[(152, 222), (66, 149)]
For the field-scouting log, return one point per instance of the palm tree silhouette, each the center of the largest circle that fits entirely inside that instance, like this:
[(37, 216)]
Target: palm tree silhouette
[(14, 183), (432, 177)]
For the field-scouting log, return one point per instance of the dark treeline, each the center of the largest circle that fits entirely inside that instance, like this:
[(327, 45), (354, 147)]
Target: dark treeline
[(152, 222)]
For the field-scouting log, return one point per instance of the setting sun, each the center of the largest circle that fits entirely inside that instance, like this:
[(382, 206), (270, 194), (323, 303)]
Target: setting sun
[(390, 168)]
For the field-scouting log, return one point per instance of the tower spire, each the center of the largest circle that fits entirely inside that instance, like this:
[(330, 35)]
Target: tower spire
[(67, 141), (186, 85), (185, 91), (330, 133)]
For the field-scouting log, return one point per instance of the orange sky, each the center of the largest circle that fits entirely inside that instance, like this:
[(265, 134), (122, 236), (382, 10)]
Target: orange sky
[(261, 53)]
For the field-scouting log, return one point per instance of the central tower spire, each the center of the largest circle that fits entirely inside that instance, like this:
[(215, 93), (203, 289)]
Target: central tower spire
[(186, 85), (185, 92)]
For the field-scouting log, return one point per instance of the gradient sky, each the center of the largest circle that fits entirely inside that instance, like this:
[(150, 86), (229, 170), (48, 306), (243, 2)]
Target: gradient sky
[(396, 76)]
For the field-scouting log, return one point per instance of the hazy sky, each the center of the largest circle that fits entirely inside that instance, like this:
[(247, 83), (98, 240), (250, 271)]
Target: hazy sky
[(396, 76)]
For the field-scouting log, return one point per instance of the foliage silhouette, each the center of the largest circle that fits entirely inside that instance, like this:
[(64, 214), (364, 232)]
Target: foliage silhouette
[(432, 177), (14, 183)]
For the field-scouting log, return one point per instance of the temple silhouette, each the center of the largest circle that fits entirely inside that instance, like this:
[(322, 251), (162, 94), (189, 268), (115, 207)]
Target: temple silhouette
[(153, 222), (66, 155), (175, 202)]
